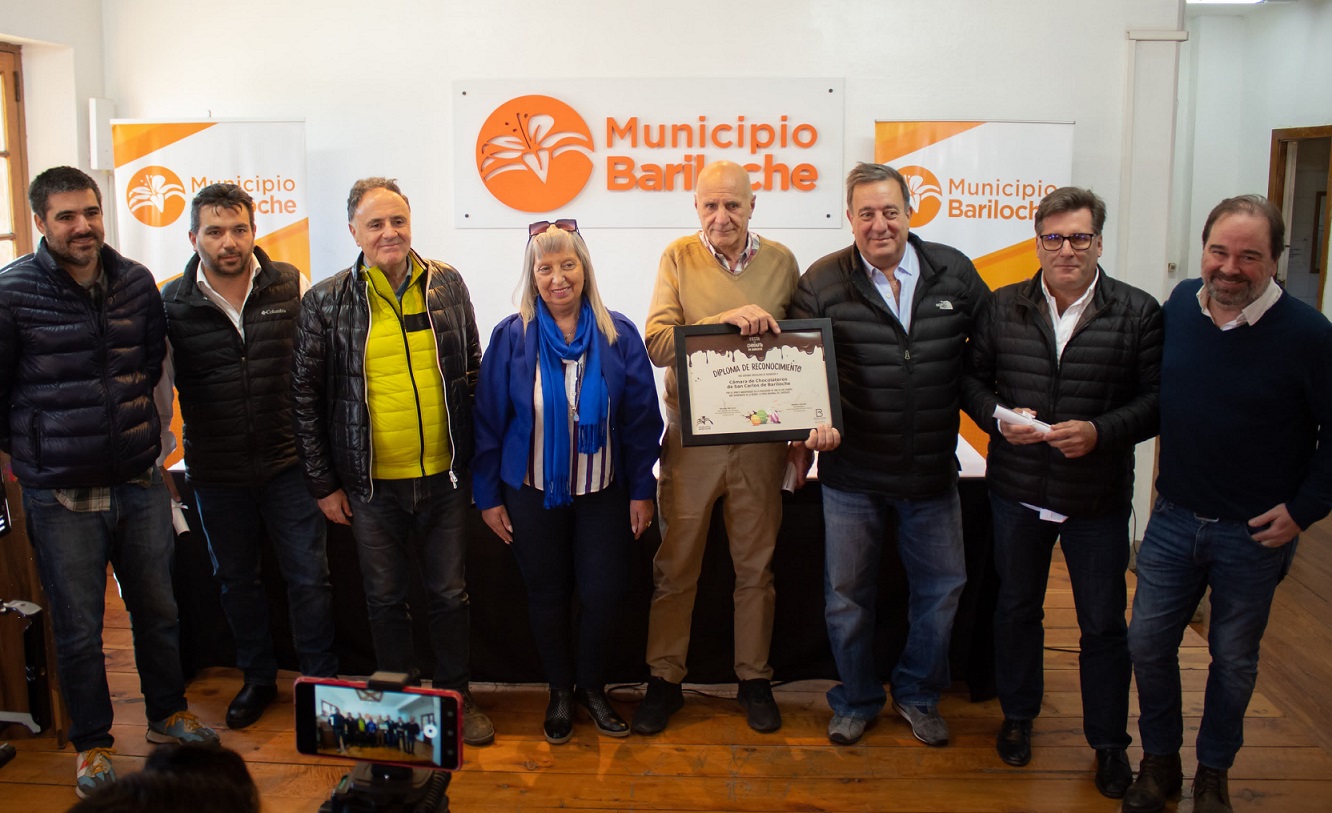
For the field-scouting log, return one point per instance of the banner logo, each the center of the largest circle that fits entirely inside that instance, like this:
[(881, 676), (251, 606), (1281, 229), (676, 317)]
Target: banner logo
[(534, 153), (926, 194), (156, 196)]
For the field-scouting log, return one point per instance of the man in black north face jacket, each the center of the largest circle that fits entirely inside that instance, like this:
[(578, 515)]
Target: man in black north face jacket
[(901, 312)]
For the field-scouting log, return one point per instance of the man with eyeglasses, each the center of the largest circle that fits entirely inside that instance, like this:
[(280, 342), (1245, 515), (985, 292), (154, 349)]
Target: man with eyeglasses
[(1075, 355), (1245, 465), (901, 310), (386, 363), (723, 274)]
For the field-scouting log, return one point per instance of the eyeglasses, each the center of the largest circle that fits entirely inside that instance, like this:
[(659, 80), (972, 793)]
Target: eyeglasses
[(564, 224), (1054, 242)]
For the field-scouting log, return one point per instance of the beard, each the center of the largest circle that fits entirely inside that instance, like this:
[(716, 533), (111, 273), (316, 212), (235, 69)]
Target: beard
[(66, 253), (1237, 298)]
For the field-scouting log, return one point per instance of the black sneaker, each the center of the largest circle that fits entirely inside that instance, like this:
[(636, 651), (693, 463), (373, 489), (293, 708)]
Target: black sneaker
[(1159, 779), (662, 699), (1211, 791), (761, 709)]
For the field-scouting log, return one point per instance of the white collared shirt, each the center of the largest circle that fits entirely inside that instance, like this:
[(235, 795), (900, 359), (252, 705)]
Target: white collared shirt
[(1251, 314), (906, 272), (234, 314), (1065, 322)]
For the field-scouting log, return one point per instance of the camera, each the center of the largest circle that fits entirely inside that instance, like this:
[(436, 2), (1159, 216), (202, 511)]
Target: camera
[(382, 721)]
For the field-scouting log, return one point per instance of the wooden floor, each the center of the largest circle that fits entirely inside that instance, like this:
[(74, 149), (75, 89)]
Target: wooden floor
[(709, 760)]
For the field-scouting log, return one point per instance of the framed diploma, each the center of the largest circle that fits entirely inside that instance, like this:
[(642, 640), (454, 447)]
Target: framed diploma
[(756, 389)]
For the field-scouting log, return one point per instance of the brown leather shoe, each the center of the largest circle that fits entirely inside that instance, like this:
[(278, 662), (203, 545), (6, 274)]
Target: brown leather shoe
[(1211, 791), (1159, 779)]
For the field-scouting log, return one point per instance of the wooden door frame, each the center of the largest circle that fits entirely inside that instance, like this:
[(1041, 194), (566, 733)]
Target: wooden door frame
[(18, 149), (1276, 186)]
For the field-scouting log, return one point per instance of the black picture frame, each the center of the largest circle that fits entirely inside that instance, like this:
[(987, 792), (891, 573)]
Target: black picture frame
[(698, 428)]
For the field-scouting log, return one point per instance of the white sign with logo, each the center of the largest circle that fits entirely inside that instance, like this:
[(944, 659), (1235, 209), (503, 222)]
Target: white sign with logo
[(161, 165), (625, 152)]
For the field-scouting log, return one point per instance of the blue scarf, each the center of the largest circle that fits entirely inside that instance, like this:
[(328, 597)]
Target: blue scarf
[(593, 401)]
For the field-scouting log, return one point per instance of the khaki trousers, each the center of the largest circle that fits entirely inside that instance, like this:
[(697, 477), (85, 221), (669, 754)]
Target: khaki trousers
[(692, 479)]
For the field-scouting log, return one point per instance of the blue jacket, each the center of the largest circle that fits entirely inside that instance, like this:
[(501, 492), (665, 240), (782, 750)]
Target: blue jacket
[(503, 414), (76, 382)]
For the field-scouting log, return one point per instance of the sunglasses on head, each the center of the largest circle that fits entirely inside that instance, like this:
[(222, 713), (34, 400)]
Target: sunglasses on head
[(541, 226)]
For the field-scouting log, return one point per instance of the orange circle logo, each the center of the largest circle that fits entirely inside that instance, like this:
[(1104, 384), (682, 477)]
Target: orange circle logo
[(534, 153), (926, 194), (156, 197)]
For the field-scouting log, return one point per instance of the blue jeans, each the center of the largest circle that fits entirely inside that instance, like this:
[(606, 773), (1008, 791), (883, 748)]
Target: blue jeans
[(929, 542), (1097, 553), (587, 549), (237, 520), (416, 525), (1181, 555), (72, 549)]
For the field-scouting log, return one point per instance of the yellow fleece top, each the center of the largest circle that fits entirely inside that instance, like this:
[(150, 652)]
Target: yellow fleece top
[(694, 289), (409, 424)]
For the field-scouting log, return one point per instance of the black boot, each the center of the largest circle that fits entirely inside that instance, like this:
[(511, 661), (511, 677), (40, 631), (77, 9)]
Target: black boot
[(604, 717), (559, 716)]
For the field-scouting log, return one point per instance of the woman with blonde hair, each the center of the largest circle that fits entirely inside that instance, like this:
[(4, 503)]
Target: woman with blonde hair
[(567, 432)]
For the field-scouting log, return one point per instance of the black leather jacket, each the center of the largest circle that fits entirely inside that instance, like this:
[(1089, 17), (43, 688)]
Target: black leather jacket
[(76, 382), (1109, 375), (328, 376)]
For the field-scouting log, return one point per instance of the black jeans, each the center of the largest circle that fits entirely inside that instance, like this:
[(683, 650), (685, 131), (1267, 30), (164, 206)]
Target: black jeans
[(1097, 553), (587, 547)]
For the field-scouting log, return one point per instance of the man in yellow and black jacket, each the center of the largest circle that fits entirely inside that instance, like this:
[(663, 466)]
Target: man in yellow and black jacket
[(387, 355)]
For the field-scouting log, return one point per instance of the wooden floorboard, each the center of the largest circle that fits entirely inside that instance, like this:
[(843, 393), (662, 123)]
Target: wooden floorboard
[(709, 760)]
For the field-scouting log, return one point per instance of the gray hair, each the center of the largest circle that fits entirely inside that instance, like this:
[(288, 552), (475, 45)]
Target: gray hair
[(365, 185), (876, 173), (553, 241)]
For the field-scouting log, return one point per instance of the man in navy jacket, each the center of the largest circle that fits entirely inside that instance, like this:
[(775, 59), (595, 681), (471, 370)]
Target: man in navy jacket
[(82, 336)]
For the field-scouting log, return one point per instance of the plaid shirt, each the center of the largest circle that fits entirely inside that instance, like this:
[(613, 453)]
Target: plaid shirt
[(751, 248), (96, 498)]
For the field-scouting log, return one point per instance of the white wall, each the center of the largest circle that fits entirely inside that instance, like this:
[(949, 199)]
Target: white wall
[(1248, 74), (373, 84), (62, 69)]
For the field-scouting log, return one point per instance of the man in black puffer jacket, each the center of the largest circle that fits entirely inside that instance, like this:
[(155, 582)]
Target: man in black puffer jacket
[(1080, 353), (231, 329), (901, 310), (82, 336)]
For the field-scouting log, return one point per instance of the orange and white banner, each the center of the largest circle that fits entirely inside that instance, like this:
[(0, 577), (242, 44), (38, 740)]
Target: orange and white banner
[(161, 165), (975, 185), (624, 152)]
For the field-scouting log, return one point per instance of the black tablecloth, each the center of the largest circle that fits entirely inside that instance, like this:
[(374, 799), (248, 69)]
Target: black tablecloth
[(502, 645)]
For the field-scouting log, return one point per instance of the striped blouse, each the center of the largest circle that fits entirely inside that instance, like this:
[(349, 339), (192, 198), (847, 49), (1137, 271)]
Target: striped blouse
[(589, 473)]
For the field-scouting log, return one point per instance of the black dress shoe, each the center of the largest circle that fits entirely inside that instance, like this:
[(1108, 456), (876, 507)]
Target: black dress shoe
[(1014, 742), (1113, 774), (661, 700), (604, 717), (249, 704), (761, 711), (559, 716)]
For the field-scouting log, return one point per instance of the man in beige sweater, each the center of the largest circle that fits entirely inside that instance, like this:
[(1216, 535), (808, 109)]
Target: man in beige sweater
[(724, 274)]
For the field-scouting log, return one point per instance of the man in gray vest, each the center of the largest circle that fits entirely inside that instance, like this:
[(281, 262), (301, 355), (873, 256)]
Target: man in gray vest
[(231, 329)]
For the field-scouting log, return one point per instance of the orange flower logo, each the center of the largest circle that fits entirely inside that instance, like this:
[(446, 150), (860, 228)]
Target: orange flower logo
[(534, 153), (156, 197), (926, 194)]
